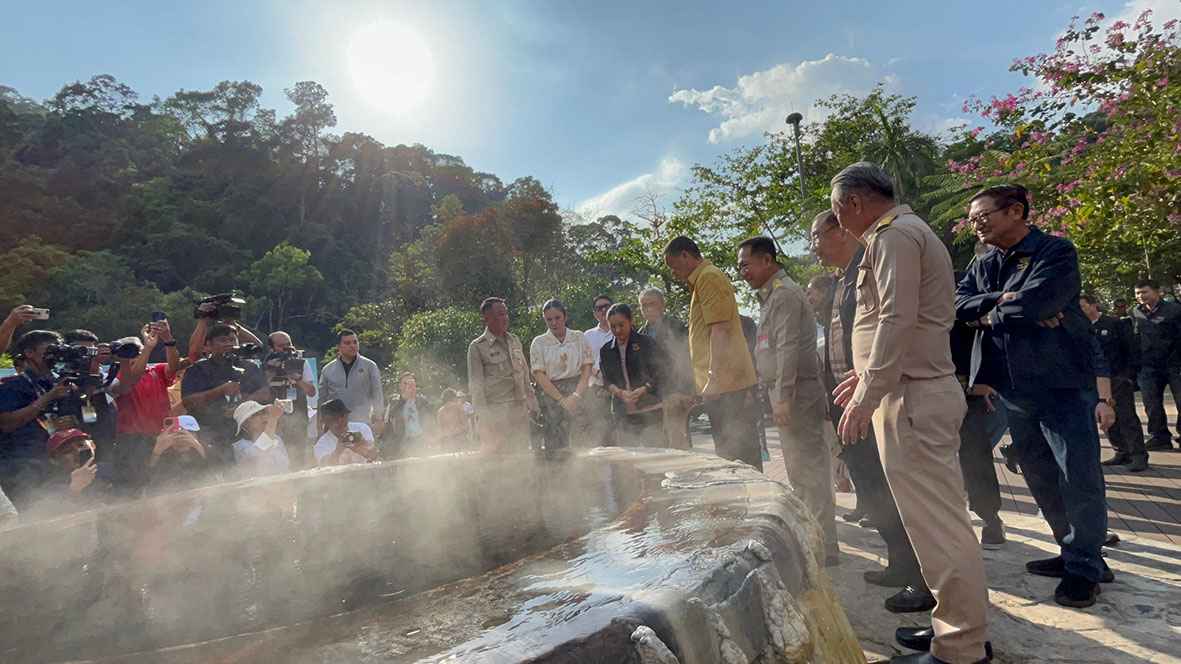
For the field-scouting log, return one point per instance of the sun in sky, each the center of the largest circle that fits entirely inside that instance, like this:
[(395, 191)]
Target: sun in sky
[(391, 66)]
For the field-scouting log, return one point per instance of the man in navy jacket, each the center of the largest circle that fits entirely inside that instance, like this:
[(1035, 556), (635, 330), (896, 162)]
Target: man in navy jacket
[(1036, 347)]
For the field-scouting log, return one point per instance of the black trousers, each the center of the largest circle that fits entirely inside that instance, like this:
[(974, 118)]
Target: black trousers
[(734, 422), (873, 493), (1127, 434), (979, 433)]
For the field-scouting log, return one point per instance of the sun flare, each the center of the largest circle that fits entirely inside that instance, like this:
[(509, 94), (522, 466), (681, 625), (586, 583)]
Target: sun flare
[(391, 66)]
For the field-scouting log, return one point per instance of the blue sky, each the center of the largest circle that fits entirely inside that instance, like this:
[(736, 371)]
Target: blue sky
[(597, 100)]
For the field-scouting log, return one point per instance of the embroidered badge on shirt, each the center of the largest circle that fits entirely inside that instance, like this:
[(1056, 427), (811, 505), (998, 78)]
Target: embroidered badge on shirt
[(1023, 262), (1103, 333), (635, 346), (763, 343)]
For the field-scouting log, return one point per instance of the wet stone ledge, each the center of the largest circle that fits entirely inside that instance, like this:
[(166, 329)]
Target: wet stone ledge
[(611, 555)]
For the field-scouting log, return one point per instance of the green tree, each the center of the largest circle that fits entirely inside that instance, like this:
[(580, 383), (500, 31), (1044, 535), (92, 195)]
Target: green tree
[(280, 276)]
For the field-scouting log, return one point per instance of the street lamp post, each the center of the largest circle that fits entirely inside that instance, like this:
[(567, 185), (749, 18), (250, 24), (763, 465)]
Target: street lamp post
[(794, 120)]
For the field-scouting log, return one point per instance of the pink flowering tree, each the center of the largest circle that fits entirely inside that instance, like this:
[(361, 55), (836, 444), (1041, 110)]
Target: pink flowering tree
[(1097, 140)]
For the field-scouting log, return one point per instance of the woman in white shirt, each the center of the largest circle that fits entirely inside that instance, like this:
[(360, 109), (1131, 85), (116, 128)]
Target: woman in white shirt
[(562, 363), (260, 452)]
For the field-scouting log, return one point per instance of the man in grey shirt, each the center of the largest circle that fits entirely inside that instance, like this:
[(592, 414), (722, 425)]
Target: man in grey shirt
[(355, 380)]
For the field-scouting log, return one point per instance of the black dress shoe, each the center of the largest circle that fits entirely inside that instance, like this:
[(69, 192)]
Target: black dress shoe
[(867, 523), (1077, 592), (928, 658), (887, 578), (1112, 539), (1056, 568), (919, 638), (1118, 460), (853, 516), (1158, 445), (910, 600), (1138, 464)]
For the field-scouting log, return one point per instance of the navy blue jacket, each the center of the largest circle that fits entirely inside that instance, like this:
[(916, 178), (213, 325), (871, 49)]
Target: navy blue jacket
[(1015, 352)]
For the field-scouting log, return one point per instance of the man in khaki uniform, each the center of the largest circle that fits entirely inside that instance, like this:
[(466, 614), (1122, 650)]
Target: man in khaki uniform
[(785, 355), (497, 379), (904, 380)]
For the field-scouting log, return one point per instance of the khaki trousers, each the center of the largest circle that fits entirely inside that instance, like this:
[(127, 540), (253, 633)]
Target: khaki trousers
[(504, 428), (808, 459), (675, 418), (918, 426)]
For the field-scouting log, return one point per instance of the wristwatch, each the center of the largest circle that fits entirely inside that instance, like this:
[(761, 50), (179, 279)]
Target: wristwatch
[(1109, 402), (169, 344), (576, 394)]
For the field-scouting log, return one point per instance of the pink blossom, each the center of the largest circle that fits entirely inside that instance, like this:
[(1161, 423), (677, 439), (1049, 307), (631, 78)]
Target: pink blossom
[(1162, 82), (1021, 166)]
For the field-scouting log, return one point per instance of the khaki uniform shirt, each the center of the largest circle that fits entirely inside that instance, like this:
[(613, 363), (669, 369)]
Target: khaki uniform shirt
[(713, 302), (497, 371), (905, 306), (786, 347)]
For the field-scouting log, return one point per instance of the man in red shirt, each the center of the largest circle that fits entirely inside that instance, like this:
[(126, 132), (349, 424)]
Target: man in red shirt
[(141, 397)]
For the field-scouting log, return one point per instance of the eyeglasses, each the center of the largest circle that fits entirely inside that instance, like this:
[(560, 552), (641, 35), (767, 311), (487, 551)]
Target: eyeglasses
[(603, 307), (977, 219), (816, 236)]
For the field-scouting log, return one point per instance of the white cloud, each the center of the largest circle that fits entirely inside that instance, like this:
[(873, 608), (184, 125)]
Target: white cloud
[(620, 200), (1162, 10), (760, 101)]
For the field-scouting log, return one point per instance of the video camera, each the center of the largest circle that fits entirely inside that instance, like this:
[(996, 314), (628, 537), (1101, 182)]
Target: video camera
[(73, 364), (289, 360), (239, 356), (225, 307), (124, 351)]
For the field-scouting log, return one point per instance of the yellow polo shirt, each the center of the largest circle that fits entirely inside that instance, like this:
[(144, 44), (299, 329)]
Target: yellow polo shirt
[(713, 302)]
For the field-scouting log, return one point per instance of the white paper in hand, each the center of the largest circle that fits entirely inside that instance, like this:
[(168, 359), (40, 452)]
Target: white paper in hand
[(264, 442)]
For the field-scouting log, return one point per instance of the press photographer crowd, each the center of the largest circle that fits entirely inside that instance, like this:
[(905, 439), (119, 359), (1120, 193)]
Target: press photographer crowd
[(85, 423)]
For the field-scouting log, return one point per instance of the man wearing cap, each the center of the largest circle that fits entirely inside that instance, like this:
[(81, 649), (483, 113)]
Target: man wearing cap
[(333, 448), (903, 381), (497, 372), (77, 482), (178, 460)]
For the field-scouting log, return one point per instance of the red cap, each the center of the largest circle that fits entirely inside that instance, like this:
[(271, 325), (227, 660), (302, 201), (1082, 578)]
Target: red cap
[(62, 437)]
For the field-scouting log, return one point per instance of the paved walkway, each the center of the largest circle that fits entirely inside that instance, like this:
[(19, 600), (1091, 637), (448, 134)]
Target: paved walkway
[(1137, 620)]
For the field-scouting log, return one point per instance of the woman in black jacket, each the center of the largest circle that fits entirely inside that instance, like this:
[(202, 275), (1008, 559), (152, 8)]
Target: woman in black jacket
[(633, 366)]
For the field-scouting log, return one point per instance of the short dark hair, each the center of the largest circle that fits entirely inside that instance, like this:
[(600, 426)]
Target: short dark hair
[(601, 296), (682, 244), (1118, 301), (404, 376), (1005, 196), (759, 245), (74, 336), (344, 333), (1089, 299), (620, 309), (1148, 283), (490, 302), (218, 331), (33, 338), (554, 304), (450, 395)]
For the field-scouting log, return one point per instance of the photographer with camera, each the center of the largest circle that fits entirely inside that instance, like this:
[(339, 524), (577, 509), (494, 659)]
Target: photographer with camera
[(78, 482), (30, 405), (260, 451), (178, 460), (290, 377), (223, 308), (343, 442), (213, 386), (98, 417), (140, 390)]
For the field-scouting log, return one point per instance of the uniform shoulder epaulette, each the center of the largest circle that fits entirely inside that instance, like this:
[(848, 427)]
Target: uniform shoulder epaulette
[(885, 223)]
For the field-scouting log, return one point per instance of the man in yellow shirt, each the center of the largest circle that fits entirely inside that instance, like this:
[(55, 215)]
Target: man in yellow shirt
[(722, 368)]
